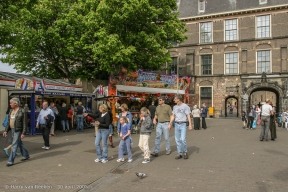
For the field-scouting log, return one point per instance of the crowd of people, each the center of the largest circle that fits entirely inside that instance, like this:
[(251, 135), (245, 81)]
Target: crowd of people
[(163, 116), (261, 115)]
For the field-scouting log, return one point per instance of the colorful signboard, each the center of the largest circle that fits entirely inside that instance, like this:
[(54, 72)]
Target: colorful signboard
[(141, 78)]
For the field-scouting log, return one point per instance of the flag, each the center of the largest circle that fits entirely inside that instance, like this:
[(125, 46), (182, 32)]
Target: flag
[(34, 83), (42, 84), (101, 91), (24, 84)]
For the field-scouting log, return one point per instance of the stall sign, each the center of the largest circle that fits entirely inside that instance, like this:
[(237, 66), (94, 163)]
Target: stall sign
[(141, 78), (24, 84), (58, 87), (63, 94)]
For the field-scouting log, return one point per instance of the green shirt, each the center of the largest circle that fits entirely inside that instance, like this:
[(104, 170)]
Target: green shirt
[(163, 113)]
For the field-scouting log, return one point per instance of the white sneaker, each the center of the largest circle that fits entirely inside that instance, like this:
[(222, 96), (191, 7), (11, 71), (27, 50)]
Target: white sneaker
[(104, 161), (46, 148), (146, 161), (98, 160), (130, 160), (43, 147), (120, 160)]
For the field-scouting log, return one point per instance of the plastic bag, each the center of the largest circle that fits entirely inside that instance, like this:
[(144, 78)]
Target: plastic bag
[(5, 122), (254, 124)]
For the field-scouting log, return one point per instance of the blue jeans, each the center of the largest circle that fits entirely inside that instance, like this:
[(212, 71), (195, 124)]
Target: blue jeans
[(180, 137), (162, 128), (65, 122), (102, 135), (17, 142), (110, 129), (124, 146), (123, 143), (80, 120)]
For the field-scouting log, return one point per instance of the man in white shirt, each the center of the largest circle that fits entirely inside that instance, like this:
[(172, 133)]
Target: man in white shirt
[(265, 120)]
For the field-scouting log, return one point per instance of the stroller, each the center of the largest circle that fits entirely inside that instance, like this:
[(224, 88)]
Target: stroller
[(280, 120), (87, 122)]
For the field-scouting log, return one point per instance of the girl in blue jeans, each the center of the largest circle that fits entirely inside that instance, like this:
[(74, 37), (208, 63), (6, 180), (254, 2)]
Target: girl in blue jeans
[(124, 136)]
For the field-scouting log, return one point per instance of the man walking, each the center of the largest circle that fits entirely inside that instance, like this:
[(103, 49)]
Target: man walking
[(44, 122), (163, 114), (265, 119), (204, 111), (55, 111), (17, 123), (181, 115)]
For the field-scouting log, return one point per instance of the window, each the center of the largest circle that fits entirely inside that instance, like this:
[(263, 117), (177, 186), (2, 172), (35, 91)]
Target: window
[(206, 64), (262, 2), (263, 61), (231, 30), (206, 32), (201, 6), (263, 26), (231, 63), (206, 96), (173, 66)]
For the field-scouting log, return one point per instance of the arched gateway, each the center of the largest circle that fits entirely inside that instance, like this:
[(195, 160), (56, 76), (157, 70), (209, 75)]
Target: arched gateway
[(272, 87)]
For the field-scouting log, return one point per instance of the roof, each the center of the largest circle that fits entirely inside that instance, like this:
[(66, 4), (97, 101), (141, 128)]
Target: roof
[(189, 8), (15, 76)]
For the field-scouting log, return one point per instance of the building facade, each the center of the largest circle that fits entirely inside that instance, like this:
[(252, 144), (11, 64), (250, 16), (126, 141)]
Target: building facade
[(234, 48)]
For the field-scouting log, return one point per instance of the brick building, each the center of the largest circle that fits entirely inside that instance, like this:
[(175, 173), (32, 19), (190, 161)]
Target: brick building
[(234, 48)]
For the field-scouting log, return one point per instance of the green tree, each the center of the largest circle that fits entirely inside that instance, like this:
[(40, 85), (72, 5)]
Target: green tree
[(87, 38)]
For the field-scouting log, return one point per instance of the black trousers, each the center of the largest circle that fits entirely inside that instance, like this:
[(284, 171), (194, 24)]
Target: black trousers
[(204, 126), (45, 133), (250, 121), (196, 123)]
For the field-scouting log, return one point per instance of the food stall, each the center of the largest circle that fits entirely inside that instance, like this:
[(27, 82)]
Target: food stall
[(32, 91), (139, 88)]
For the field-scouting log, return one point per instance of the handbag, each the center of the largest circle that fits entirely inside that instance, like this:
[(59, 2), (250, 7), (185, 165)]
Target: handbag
[(5, 122), (254, 124)]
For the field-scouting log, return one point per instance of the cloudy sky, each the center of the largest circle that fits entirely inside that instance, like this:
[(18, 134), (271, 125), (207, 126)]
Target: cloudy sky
[(7, 68)]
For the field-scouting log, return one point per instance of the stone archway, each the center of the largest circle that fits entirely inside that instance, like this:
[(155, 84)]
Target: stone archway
[(237, 106), (272, 87)]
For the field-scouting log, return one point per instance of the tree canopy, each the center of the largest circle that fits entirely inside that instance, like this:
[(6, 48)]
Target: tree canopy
[(87, 38)]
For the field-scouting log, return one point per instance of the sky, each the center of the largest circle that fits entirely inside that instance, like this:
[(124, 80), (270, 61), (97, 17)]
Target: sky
[(7, 68)]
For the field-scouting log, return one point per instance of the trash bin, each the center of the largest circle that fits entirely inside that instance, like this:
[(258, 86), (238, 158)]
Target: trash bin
[(211, 111)]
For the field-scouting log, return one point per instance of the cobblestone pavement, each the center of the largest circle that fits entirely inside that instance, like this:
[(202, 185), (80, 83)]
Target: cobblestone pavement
[(224, 157)]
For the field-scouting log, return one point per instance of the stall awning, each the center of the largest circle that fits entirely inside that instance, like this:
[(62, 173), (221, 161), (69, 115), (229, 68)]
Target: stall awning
[(124, 88), (53, 93)]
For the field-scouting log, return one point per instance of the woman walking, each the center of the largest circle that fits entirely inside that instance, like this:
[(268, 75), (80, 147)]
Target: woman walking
[(196, 117), (103, 123), (272, 126), (251, 116), (128, 115), (258, 112)]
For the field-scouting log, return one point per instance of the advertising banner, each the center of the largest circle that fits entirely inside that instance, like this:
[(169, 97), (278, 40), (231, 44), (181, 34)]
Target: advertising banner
[(141, 78)]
